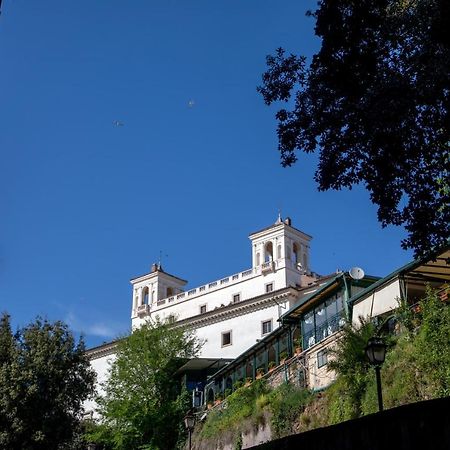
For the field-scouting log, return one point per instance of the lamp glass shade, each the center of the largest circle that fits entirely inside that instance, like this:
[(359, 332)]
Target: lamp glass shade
[(189, 421), (376, 351)]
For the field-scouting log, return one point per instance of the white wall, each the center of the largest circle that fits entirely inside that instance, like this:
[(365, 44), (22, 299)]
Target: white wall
[(101, 366), (245, 330), (378, 302)]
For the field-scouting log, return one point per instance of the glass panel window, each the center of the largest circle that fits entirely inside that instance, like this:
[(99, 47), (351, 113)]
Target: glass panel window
[(236, 298), (322, 358), (269, 287), (202, 309), (331, 307), (226, 338), (308, 330), (324, 320), (266, 327)]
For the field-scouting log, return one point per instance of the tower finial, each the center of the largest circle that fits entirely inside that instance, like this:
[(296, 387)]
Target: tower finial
[(160, 260), (279, 220)]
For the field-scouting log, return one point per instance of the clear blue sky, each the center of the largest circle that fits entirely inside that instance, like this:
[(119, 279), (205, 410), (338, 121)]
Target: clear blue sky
[(86, 205)]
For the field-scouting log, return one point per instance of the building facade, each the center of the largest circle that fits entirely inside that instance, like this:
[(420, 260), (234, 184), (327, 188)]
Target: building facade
[(230, 314)]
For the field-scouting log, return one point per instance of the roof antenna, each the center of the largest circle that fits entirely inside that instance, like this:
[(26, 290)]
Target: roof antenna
[(160, 260)]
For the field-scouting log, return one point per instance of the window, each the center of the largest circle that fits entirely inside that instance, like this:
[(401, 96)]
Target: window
[(323, 320), (268, 252), (145, 296), (202, 309), (295, 253), (226, 338), (236, 298), (322, 358), (170, 318), (266, 327), (269, 287)]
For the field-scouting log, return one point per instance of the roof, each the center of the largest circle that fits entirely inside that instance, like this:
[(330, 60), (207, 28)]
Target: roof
[(297, 309), (323, 291), (277, 224), (202, 363), (434, 267), (159, 271)]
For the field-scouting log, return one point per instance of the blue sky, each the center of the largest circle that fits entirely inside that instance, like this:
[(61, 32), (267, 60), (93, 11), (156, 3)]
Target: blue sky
[(86, 205)]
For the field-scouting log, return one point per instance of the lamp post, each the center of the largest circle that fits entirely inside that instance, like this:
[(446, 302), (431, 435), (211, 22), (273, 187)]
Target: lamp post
[(376, 352), (189, 422)]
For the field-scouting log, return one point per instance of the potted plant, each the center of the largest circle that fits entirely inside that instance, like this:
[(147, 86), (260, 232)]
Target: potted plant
[(283, 357), (259, 372), (444, 294), (271, 365), (298, 346), (238, 384), (248, 381), (218, 399)]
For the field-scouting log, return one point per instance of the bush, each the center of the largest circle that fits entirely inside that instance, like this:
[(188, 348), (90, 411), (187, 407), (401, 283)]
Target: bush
[(241, 405), (287, 402)]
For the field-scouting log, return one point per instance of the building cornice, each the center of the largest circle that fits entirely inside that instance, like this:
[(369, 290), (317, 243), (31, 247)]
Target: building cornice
[(238, 309), (278, 227), (102, 350)]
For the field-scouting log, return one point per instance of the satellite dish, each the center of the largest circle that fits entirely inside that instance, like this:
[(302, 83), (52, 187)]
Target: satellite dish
[(356, 273)]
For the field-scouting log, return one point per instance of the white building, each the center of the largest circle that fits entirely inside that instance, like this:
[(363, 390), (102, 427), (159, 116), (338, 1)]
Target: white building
[(229, 314)]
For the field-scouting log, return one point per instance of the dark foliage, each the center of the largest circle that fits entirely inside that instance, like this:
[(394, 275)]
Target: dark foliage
[(44, 379), (375, 102)]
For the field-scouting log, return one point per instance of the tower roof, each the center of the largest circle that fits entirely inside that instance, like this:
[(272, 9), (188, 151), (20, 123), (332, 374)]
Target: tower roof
[(280, 223)]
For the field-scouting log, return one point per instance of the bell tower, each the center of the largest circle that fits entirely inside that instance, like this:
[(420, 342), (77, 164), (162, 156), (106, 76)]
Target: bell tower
[(281, 247), (152, 287)]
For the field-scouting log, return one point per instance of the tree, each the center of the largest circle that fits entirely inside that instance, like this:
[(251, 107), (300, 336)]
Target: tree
[(44, 379), (348, 360), (375, 102), (143, 405)]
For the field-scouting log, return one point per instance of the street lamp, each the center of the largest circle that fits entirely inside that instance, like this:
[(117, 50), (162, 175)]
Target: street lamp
[(376, 352), (189, 422)]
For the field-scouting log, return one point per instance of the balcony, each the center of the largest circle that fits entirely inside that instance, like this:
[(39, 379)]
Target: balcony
[(143, 310), (267, 267)]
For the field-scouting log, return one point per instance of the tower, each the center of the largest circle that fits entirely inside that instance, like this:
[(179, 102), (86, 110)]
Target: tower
[(281, 246), (152, 287)]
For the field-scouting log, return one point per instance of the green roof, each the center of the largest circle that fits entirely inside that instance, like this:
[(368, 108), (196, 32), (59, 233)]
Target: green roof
[(426, 264)]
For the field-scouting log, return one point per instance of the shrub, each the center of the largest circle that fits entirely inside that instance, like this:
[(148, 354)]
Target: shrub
[(287, 402)]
